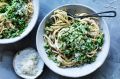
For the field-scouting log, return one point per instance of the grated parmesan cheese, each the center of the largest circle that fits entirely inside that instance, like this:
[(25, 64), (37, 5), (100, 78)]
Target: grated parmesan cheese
[(28, 63)]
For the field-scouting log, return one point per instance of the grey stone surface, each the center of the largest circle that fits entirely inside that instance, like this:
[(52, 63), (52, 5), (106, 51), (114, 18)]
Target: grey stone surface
[(109, 70)]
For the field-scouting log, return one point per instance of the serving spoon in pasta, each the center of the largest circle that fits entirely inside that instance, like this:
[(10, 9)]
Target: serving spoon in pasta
[(100, 14)]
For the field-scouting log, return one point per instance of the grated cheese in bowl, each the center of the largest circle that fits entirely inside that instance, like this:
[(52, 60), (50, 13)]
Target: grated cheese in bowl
[(28, 63)]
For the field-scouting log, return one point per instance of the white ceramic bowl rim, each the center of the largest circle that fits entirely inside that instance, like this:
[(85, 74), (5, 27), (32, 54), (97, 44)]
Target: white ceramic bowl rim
[(29, 28), (79, 71)]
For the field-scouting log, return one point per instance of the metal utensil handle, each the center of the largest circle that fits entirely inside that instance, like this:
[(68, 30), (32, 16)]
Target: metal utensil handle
[(102, 14)]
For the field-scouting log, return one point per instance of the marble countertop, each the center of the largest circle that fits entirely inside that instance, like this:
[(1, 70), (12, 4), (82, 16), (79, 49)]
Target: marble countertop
[(109, 70)]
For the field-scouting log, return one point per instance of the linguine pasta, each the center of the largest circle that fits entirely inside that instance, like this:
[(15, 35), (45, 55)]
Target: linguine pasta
[(72, 41), (14, 17)]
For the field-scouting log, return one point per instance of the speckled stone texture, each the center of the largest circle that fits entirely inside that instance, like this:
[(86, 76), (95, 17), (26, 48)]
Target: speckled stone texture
[(109, 70)]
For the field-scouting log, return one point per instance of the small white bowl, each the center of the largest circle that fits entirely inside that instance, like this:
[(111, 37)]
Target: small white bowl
[(81, 70), (30, 26), (19, 57)]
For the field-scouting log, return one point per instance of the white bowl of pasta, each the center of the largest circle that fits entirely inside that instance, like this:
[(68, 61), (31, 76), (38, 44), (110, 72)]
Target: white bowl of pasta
[(73, 47), (17, 19)]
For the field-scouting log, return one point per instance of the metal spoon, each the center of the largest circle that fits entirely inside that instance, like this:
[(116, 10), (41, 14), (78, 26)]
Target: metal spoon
[(100, 14)]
